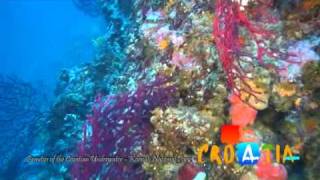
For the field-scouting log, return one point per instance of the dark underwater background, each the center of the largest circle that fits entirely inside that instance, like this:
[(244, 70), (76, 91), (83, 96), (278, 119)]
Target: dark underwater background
[(127, 78)]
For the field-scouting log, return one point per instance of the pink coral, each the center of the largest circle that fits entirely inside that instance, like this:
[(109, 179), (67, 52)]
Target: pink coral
[(182, 61), (302, 52), (241, 113), (189, 172), (270, 171), (177, 40)]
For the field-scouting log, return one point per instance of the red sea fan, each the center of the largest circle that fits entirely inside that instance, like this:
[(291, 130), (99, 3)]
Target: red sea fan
[(119, 127), (237, 62)]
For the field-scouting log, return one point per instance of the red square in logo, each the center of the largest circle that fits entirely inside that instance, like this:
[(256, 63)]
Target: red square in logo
[(230, 134)]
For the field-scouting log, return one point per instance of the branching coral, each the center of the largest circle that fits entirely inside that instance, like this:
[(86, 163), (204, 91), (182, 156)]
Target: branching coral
[(119, 127), (229, 24)]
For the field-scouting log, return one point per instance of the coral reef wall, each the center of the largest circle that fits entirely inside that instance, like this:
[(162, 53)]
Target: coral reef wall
[(169, 74)]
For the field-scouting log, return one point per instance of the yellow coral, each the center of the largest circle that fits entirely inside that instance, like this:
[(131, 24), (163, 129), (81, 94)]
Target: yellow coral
[(285, 89), (169, 5), (163, 44), (297, 102), (309, 4), (255, 94)]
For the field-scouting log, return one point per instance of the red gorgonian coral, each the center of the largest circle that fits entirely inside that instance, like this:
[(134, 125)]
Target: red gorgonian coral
[(230, 25), (120, 127)]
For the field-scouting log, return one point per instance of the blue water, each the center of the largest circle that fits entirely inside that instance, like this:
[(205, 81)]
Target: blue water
[(38, 38)]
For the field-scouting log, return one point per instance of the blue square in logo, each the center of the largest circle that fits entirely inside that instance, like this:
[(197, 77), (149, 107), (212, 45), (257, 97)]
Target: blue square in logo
[(248, 153)]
